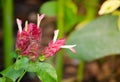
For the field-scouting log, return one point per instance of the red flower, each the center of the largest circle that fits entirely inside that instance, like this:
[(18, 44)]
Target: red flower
[(34, 32), (55, 45), (52, 48), (32, 51), (22, 41), (28, 39)]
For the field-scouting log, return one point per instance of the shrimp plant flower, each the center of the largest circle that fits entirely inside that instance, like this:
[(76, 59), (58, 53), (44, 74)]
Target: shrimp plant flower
[(28, 42)]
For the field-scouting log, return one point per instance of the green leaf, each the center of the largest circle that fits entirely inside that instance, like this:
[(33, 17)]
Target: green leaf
[(2, 79), (71, 17), (70, 10), (119, 22), (44, 71), (49, 8), (13, 54), (21, 63), (98, 39), (12, 73)]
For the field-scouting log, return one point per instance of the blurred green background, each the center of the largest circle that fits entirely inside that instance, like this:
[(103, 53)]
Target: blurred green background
[(74, 18)]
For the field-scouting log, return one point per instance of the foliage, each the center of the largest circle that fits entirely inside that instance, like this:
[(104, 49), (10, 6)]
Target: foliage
[(43, 70), (98, 39), (70, 11), (49, 8), (111, 6)]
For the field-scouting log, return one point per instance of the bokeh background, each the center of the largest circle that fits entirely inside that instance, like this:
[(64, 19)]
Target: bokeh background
[(106, 69)]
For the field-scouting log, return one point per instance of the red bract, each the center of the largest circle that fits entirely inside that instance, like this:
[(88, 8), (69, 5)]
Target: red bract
[(52, 47), (55, 45), (22, 41), (34, 32), (28, 40), (32, 51)]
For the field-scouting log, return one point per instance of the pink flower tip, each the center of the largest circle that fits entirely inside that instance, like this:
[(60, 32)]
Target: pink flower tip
[(39, 18), (73, 50)]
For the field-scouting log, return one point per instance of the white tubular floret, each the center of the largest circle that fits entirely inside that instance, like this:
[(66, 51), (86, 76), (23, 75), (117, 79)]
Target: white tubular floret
[(69, 47), (26, 25), (55, 35), (39, 18), (19, 23)]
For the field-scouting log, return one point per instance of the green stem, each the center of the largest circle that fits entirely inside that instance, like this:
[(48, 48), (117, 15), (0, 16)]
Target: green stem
[(8, 31), (59, 65), (80, 71), (21, 76), (91, 9), (60, 26), (60, 18)]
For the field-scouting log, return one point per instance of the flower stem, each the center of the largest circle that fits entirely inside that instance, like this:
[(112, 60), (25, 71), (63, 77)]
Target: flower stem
[(8, 30), (80, 71), (60, 26), (21, 76), (59, 65), (91, 9)]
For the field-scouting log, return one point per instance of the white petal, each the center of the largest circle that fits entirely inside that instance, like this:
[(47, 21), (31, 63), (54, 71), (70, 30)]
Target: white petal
[(26, 25), (19, 23), (39, 18), (55, 35), (68, 46)]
